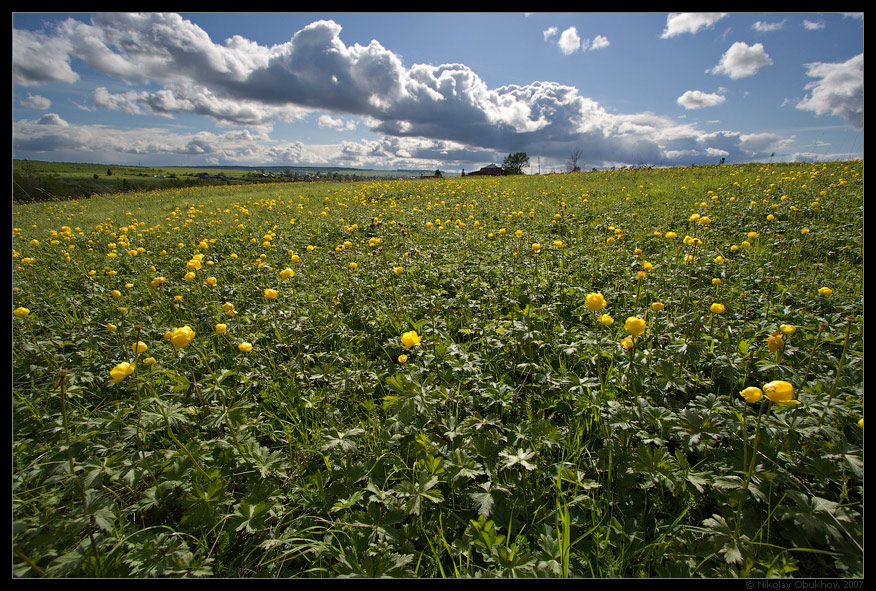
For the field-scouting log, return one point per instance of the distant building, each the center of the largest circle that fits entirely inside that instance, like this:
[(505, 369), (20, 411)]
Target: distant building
[(490, 170)]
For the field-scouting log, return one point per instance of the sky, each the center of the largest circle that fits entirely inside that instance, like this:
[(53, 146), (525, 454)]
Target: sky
[(448, 91)]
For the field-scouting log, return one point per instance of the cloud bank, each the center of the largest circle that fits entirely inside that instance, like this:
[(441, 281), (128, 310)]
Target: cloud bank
[(429, 113)]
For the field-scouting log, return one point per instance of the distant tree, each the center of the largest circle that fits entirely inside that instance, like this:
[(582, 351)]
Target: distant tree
[(109, 172), (514, 163), (574, 156)]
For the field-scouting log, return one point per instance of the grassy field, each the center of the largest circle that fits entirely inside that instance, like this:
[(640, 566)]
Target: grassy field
[(630, 373)]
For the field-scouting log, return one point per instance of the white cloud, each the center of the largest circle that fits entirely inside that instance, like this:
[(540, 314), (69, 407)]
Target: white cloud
[(550, 33), (742, 60), (35, 101), (429, 112), (599, 42), (765, 27), (570, 41), (679, 23), (839, 90), (326, 120), (697, 99), (812, 25)]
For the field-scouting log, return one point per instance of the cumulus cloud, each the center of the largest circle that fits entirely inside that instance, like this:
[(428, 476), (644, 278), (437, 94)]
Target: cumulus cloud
[(570, 41), (742, 60), (765, 27), (839, 90), (35, 101), (422, 111), (339, 124), (679, 23), (812, 25), (697, 99)]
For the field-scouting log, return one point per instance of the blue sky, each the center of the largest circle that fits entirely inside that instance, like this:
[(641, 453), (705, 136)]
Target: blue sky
[(437, 90)]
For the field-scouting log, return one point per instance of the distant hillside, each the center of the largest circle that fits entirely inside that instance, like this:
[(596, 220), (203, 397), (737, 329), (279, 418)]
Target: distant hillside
[(35, 180)]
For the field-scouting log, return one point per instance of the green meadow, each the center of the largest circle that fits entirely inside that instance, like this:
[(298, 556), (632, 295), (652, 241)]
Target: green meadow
[(628, 373)]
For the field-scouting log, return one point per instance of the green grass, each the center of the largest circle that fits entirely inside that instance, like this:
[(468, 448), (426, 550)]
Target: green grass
[(519, 437)]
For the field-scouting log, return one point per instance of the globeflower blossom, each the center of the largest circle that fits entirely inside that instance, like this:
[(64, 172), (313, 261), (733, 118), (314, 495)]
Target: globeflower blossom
[(775, 342), (244, 347), (181, 337), (595, 301), (717, 308), (752, 394), (606, 320), (121, 371), (271, 294), (20, 312), (635, 326), (780, 392), (411, 339)]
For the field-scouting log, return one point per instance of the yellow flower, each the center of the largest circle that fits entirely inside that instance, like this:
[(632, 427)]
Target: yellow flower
[(211, 281), (157, 281), (788, 329), (111, 327), (780, 392), (193, 265), (149, 361), (116, 293), (717, 308), (189, 276), (398, 270), (719, 259), (704, 221), (139, 347), (287, 273), (775, 342), (641, 274), (635, 326), (694, 217), (228, 307), (271, 294), (536, 247), (244, 347), (606, 320), (121, 371), (402, 358), (354, 266), (295, 259), (716, 281), (861, 423), (627, 342), (825, 291), (558, 244), (670, 235), (411, 339), (221, 328), (752, 235), (647, 266), (657, 306), (595, 301), (180, 337), (752, 394), (20, 312)]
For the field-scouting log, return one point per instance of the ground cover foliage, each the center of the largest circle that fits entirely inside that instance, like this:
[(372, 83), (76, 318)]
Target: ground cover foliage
[(629, 373)]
